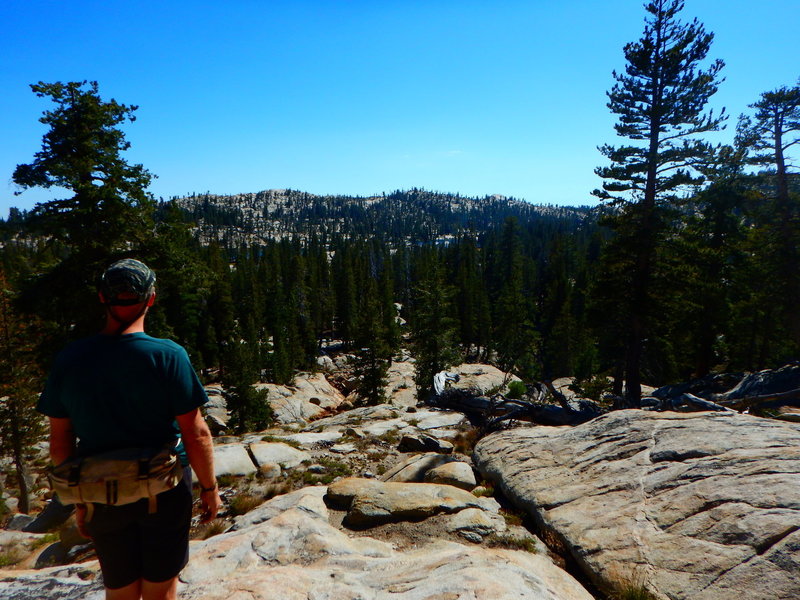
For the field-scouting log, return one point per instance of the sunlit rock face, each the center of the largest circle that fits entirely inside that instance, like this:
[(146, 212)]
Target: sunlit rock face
[(288, 549)]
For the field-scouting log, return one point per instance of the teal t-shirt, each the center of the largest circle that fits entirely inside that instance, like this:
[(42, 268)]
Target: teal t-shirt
[(122, 391)]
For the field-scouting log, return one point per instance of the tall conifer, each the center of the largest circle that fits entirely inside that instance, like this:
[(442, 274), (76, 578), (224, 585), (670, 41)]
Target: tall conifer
[(109, 213), (660, 101)]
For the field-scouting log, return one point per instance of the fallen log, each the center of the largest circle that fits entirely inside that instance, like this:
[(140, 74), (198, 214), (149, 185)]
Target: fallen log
[(491, 412), (791, 398), (684, 403), (769, 388)]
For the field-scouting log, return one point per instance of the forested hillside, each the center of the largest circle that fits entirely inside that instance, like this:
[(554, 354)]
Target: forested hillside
[(402, 217)]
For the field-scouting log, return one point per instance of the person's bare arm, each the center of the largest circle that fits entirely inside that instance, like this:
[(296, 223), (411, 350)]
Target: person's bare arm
[(62, 440), (62, 447), (200, 450)]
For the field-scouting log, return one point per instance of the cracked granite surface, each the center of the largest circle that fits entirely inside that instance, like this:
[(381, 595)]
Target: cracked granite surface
[(703, 506)]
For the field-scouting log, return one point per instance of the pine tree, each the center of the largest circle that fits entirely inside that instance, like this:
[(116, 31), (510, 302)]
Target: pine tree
[(660, 101), (249, 408), (282, 324), (373, 353), (82, 151), (20, 424), (772, 131), (433, 327), (184, 282), (346, 296), (712, 254), (109, 214), (388, 309), (515, 337)]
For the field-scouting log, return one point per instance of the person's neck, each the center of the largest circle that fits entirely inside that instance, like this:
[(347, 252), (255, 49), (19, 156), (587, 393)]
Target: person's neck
[(112, 327)]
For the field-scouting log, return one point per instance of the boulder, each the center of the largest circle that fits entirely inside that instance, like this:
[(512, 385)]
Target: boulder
[(308, 439), (216, 409), (380, 428), (376, 502), (326, 364), (419, 442), (278, 453), (430, 421), (355, 417), (484, 378), (231, 459), (400, 387), (308, 499), (701, 505), (340, 495), (457, 474), (413, 469), (310, 396), (216, 425), (343, 448), (270, 470), (474, 524), (19, 522)]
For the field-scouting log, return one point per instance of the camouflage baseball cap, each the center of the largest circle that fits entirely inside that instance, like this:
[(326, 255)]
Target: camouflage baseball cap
[(127, 276)]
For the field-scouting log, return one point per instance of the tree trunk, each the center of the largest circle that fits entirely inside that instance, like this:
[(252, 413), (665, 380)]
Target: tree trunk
[(21, 472)]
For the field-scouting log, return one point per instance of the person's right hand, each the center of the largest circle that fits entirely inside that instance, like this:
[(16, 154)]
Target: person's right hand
[(80, 519), (210, 503)]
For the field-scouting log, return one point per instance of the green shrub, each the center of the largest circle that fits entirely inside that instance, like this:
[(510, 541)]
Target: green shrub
[(592, 388), (390, 437), (335, 467), (516, 389)]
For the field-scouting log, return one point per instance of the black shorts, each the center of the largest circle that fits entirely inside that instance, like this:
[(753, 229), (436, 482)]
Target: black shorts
[(132, 544)]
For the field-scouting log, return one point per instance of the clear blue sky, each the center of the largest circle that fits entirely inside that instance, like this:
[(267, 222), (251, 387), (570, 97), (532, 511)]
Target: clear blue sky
[(361, 97)]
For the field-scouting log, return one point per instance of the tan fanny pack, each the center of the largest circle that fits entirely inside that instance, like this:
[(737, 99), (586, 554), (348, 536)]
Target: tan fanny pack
[(118, 476)]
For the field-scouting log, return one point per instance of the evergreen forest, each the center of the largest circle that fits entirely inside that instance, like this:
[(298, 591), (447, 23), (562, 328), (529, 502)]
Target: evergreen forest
[(687, 266)]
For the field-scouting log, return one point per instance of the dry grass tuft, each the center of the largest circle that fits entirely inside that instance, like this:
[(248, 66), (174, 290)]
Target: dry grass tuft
[(211, 529), (631, 586), (241, 504), (464, 442)]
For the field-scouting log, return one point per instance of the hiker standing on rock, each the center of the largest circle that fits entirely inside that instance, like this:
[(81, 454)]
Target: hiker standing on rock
[(119, 390)]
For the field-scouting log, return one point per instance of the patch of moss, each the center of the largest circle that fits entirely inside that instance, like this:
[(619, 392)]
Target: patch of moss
[(45, 540), (10, 557), (512, 543), (276, 440)]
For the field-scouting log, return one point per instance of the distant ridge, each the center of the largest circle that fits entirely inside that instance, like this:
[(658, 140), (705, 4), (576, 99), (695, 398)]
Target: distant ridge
[(400, 217)]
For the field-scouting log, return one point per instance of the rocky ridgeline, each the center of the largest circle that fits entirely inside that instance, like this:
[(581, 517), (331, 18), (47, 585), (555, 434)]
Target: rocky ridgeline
[(388, 505)]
